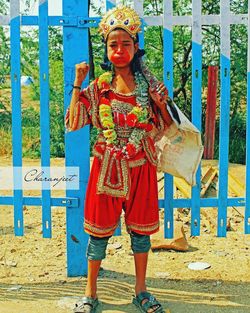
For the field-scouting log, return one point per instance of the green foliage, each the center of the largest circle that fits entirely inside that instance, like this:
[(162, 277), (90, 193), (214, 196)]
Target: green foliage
[(154, 50), (98, 51), (31, 131), (4, 57), (57, 128), (4, 5), (237, 138), (237, 148), (93, 136)]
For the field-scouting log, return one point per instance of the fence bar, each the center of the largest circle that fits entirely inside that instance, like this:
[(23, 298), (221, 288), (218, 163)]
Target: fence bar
[(149, 20), (168, 81), (74, 202), (205, 202), (75, 41), (224, 117), (247, 208), (138, 6), (4, 20), (37, 201), (110, 4), (44, 112), (16, 111), (196, 106)]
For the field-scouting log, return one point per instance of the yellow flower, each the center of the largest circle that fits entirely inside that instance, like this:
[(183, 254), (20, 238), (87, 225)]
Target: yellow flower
[(108, 124), (110, 135), (104, 107), (104, 78), (136, 110)]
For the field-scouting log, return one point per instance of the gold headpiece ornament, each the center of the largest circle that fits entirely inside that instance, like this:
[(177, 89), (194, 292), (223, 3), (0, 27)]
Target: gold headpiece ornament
[(120, 17)]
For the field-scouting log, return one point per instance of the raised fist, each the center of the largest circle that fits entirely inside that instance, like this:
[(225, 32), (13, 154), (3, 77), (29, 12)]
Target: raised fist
[(81, 72)]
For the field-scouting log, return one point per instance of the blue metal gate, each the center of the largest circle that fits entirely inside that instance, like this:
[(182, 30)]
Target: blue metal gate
[(75, 22)]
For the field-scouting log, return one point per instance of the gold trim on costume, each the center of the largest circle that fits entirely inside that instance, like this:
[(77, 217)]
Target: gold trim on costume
[(119, 183), (83, 118), (135, 163), (97, 154), (123, 132), (125, 176), (96, 230), (152, 156), (92, 94), (121, 106), (146, 228)]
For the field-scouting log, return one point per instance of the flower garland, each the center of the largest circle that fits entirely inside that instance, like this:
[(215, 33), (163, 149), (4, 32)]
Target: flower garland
[(137, 117)]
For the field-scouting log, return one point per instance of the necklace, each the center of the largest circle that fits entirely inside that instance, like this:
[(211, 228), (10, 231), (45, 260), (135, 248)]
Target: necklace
[(138, 117)]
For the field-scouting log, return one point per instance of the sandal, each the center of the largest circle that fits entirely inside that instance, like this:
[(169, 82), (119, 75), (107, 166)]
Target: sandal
[(137, 300), (86, 305)]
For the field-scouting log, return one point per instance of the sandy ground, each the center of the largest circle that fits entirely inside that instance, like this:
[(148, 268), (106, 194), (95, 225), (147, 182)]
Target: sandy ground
[(33, 269)]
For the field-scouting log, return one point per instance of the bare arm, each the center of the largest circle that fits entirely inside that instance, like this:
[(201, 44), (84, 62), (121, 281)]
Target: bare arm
[(166, 116), (81, 73), (159, 96)]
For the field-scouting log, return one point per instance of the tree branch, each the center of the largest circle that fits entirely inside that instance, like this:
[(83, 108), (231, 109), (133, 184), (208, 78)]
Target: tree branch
[(210, 32)]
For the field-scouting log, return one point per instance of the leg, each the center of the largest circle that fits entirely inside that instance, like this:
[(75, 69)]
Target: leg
[(96, 252), (140, 245), (142, 220), (93, 270), (141, 261)]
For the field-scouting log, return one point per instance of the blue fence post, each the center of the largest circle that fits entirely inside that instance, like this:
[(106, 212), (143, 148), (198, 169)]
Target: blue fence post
[(110, 4), (44, 114), (16, 113), (75, 40), (224, 117), (168, 81), (138, 6), (247, 208), (196, 107)]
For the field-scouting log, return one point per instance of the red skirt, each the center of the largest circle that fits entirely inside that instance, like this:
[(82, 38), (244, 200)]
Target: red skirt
[(102, 212)]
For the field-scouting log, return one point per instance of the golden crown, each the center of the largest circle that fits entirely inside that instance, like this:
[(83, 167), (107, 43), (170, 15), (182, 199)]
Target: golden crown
[(120, 17)]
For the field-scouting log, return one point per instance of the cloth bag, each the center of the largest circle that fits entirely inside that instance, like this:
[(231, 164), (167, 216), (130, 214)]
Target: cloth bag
[(180, 148)]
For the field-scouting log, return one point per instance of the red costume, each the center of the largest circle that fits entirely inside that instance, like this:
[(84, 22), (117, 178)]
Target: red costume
[(117, 182)]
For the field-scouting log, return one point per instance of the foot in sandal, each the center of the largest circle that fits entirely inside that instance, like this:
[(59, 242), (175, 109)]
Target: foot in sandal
[(147, 303), (86, 305)]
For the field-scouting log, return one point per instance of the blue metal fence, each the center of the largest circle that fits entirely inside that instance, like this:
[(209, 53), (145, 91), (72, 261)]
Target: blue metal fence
[(75, 42)]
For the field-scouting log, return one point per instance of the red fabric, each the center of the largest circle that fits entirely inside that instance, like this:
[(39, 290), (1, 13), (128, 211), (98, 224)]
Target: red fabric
[(102, 211)]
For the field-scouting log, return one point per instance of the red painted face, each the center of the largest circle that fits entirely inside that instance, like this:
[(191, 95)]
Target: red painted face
[(121, 48), (120, 58)]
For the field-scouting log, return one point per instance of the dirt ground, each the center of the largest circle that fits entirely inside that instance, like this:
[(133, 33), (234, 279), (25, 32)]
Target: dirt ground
[(33, 269)]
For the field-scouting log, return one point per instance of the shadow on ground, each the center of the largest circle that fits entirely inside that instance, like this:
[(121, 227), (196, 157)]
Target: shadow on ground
[(115, 291)]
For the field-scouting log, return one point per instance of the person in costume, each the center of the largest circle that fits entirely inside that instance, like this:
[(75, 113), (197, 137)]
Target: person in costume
[(128, 107)]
